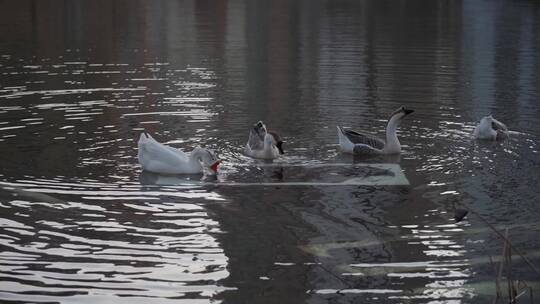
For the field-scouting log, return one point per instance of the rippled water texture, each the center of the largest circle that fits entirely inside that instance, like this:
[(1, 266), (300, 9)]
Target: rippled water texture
[(79, 81)]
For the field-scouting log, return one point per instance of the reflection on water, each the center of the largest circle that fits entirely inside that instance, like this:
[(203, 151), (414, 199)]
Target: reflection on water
[(61, 242), (82, 223)]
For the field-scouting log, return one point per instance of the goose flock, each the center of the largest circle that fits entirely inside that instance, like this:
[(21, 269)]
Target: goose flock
[(264, 144)]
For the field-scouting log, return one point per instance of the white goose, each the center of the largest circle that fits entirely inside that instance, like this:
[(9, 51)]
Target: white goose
[(263, 144), (363, 144), (491, 129), (159, 158)]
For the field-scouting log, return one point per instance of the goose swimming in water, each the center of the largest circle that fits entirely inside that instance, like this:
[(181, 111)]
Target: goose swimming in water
[(490, 129), (364, 144), (262, 143), (159, 158)]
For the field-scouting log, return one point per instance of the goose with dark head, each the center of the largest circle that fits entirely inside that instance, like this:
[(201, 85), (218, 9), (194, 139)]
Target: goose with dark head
[(263, 144), (365, 144)]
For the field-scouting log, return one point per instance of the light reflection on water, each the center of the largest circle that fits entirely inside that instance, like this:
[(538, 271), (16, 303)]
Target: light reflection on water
[(135, 246), (81, 223)]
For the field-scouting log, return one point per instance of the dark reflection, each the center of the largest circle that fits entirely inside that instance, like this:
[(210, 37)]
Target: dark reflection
[(459, 214), (262, 243), (390, 158), (277, 173), (151, 178), (79, 81), (369, 158)]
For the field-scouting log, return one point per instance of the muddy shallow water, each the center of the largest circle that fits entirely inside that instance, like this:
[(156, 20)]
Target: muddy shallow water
[(81, 223)]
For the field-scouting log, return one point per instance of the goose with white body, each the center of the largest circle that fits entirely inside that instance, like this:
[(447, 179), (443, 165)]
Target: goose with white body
[(159, 158), (490, 128)]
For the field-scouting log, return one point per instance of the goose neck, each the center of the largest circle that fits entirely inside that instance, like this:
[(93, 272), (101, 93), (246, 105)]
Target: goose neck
[(392, 142)]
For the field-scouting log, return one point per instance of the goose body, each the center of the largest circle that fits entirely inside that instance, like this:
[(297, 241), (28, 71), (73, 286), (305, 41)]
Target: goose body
[(262, 143), (159, 158), (490, 129), (364, 144)]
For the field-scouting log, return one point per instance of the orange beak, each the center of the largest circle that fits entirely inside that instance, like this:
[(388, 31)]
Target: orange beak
[(215, 165)]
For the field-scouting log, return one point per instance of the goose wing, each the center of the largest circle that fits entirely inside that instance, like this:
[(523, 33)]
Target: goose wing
[(151, 152), (497, 125), (364, 139)]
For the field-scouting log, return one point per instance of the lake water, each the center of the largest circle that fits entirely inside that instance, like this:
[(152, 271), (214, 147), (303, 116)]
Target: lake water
[(79, 81)]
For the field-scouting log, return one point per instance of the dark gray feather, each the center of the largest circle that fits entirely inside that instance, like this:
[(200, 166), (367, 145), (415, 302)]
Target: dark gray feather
[(358, 138), (365, 149)]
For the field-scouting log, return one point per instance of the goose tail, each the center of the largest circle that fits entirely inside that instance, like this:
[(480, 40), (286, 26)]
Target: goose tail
[(341, 135), (144, 139), (344, 143)]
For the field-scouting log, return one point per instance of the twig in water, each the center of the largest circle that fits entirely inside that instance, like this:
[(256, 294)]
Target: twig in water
[(499, 273), (531, 265)]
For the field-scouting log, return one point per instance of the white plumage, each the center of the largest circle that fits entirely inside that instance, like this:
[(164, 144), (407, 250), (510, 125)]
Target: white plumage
[(159, 158), (490, 129)]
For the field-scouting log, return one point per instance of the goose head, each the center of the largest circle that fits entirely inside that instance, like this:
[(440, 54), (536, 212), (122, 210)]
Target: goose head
[(207, 159), (400, 113), (396, 118)]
